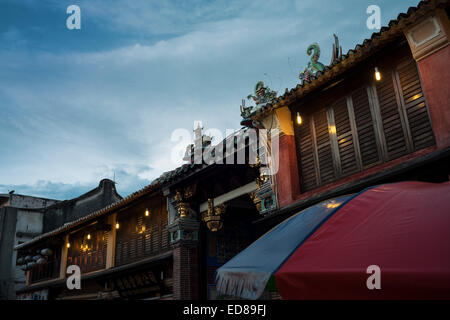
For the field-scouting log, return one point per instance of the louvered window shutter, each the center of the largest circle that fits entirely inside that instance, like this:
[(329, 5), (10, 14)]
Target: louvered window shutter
[(348, 161), (323, 145), (306, 156), (414, 105), (375, 123), (140, 236), (365, 128), (391, 116)]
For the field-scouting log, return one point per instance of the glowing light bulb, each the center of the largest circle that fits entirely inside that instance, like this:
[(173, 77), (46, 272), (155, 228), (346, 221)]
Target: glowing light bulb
[(117, 225), (147, 213), (377, 74), (88, 236), (299, 118), (333, 129), (68, 245)]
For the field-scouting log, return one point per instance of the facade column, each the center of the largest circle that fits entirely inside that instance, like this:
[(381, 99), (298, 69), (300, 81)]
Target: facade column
[(111, 244), (63, 265), (286, 169), (184, 240), (184, 231)]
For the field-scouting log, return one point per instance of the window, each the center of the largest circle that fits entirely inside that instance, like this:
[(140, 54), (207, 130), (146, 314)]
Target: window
[(141, 236), (88, 249), (374, 123)]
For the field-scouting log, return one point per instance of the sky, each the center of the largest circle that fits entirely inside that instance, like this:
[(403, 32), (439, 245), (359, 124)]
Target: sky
[(77, 106)]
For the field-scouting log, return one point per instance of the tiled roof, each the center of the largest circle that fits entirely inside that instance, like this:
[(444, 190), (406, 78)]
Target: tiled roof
[(168, 176), (353, 56)]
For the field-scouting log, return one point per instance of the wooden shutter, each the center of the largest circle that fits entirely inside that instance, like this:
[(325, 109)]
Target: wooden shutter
[(415, 108), (367, 141), (393, 127), (345, 140), (140, 236), (131, 238), (305, 150), (378, 122), (323, 144), (89, 255)]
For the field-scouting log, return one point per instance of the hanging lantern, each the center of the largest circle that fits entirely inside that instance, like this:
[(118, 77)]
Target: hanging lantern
[(46, 252), (147, 213), (20, 261)]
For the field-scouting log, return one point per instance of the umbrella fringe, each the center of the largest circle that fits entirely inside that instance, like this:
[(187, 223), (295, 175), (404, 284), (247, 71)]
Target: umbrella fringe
[(243, 285)]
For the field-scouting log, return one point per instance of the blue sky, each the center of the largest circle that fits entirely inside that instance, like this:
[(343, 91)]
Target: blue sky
[(77, 106)]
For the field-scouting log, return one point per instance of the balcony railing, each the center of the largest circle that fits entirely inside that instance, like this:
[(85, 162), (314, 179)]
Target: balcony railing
[(47, 271)]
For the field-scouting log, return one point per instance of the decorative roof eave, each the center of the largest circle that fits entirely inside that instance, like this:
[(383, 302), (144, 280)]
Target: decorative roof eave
[(352, 57)]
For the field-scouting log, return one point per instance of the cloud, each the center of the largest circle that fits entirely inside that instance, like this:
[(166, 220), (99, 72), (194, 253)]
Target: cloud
[(77, 107), (48, 189), (129, 178)]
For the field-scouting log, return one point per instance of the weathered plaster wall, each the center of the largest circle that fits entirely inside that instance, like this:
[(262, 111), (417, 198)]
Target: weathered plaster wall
[(435, 81), (20, 201), (8, 217), (16, 226), (28, 225)]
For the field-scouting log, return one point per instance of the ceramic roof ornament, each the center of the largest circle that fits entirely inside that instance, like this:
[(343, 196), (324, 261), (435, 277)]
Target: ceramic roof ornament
[(336, 55), (313, 65), (262, 96)]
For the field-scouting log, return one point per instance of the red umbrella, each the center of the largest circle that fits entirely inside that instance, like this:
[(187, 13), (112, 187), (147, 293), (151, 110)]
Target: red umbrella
[(395, 237)]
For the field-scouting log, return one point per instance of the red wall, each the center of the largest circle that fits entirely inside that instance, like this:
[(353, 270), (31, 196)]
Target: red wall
[(435, 74), (287, 175)]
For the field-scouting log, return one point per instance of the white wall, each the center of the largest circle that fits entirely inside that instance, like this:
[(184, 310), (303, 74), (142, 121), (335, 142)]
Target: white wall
[(27, 222)]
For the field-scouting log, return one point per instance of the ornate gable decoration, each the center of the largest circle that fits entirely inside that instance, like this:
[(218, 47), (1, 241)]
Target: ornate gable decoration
[(262, 96), (313, 65)]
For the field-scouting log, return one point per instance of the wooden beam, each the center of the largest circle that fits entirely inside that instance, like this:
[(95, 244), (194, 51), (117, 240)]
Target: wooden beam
[(63, 265), (111, 244), (230, 195)]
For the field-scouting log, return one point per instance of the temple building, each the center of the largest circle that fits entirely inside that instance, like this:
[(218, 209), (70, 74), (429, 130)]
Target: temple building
[(375, 115)]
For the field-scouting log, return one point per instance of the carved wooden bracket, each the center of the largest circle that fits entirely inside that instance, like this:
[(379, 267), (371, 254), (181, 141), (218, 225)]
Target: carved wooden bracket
[(213, 216), (182, 197)]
